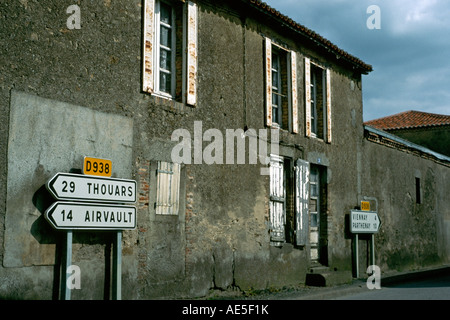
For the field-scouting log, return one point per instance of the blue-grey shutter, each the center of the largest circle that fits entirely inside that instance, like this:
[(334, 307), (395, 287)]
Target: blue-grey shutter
[(301, 201)]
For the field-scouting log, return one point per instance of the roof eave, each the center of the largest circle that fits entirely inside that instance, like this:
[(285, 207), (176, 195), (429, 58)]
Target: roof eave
[(261, 6)]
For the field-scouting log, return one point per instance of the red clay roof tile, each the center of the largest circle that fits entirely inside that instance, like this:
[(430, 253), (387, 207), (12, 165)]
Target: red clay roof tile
[(409, 119)]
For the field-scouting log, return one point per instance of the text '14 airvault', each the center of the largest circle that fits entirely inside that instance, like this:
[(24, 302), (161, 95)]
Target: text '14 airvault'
[(90, 216)]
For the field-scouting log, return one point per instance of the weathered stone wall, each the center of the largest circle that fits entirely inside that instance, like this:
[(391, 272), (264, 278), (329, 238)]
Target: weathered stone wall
[(69, 93), (412, 235)]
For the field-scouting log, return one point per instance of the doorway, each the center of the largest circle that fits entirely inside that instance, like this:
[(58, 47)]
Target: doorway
[(318, 237)]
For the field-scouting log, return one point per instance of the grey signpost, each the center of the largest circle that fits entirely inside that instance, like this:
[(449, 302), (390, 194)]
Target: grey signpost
[(364, 222), (67, 262), (92, 203)]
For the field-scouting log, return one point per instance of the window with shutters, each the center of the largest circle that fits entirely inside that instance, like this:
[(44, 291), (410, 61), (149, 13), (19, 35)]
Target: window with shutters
[(282, 201), (292, 195), (281, 87), (318, 101), (167, 188), (170, 50), (277, 200)]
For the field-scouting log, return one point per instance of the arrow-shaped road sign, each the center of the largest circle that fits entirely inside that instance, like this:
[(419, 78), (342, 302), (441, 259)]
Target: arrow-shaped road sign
[(91, 216), (364, 221), (69, 186)]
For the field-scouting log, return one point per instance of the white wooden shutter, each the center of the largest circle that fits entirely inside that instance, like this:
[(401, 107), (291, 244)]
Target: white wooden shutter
[(191, 83), (294, 99), (301, 201), (328, 101), (308, 96), (277, 199), (268, 44), (149, 36), (167, 188)]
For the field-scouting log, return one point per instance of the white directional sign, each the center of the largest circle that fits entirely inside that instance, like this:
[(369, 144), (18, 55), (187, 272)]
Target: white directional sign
[(91, 216), (364, 222), (68, 186)]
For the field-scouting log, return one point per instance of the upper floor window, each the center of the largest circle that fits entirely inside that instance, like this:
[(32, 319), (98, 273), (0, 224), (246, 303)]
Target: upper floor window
[(281, 87), (318, 101), (170, 50), (165, 55)]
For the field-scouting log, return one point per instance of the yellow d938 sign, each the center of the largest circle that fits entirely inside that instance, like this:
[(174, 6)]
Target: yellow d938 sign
[(97, 167), (365, 205)]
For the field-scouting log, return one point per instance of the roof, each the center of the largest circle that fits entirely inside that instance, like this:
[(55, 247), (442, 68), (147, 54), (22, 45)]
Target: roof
[(408, 120), (393, 141), (285, 20)]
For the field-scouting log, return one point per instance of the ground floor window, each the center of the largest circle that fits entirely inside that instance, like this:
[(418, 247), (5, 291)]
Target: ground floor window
[(298, 202)]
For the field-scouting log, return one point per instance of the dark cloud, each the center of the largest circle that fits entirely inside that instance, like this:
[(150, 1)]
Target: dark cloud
[(409, 54)]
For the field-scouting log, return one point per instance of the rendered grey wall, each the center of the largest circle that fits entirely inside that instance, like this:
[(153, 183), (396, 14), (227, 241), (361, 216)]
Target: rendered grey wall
[(412, 235), (46, 137)]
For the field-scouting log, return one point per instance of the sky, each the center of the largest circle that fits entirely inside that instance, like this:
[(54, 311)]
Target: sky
[(409, 48)]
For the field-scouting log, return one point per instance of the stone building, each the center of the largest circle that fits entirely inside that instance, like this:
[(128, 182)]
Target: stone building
[(242, 128)]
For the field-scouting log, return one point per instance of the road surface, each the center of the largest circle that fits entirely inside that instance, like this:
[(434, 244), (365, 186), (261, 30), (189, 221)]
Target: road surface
[(436, 288)]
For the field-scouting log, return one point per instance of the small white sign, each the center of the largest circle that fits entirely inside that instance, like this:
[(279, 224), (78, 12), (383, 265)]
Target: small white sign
[(69, 186), (91, 216), (364, 221)]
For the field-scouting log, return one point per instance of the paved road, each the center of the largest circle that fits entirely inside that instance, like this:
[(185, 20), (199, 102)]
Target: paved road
[(427, 289)]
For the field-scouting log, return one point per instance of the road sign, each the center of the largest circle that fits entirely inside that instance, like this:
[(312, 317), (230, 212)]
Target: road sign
[(365, 205), (91, 216), (97, 167), (69, 186), (364, 221)]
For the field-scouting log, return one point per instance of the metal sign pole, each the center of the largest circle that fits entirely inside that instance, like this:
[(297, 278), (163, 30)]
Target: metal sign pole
[(117, 267), (372, 249), (65, 290), (356, 255)]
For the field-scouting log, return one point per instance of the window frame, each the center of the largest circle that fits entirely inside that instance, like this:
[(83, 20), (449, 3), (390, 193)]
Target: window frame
[(184, 61), (314, 83), (311, 105), (277, 200), (277, 107), (157, 52), (290, 84)]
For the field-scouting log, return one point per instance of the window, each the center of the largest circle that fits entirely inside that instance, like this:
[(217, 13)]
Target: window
[(418, 191), (165, 48), (314, 212), (281, 87), (277, 200), (318, 229), (170, 50), (318, 101), (288, 201), (280, 106), (167, 188)]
